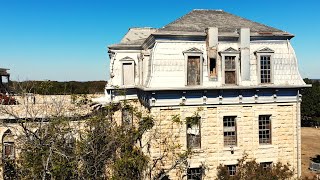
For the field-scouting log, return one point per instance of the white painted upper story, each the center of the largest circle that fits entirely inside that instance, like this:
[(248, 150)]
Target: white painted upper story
[(205, 49)]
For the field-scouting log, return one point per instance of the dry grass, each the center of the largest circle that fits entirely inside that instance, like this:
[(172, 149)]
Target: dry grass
[(310, 139)]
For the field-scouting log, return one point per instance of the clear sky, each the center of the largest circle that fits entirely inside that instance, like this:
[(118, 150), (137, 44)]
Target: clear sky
[(67, 39)]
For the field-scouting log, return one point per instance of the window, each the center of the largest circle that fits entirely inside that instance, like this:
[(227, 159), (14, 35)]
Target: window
[(8, 145), (232, 169), (193, 67), (8, 150), (127, 116), (265, 69), (265, 65), (264, 129), (266, 165), (193, 70), (194, 173), (230, 66), (230, 70), (212, 68), (128, 72), (229, 131), (193, 132)]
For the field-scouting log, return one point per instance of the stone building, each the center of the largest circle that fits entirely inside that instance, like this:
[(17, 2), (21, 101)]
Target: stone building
[(240, 78)]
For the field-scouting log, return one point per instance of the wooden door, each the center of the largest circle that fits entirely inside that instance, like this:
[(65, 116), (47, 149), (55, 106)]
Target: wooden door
[(128, 74), (193, 70)]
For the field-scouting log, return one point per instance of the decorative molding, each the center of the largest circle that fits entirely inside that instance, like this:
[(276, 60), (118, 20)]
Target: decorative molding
[(265, 50), (193, 50), (127, 58), (230, 50)]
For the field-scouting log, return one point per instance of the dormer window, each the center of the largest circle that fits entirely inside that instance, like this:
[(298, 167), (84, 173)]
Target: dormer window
[(127, 68), (265, 65), (193, 67), (230, 67)]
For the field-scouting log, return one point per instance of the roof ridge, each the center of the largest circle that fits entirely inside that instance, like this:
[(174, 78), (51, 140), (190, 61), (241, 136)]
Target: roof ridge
[(142, 28), (208, 10)]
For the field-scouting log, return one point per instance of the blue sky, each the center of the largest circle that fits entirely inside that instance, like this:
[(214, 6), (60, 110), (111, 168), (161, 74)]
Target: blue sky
[(67, 39)]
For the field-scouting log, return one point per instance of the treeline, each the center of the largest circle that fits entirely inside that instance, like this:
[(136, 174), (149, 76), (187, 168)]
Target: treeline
[(58, 88), (310, 106)]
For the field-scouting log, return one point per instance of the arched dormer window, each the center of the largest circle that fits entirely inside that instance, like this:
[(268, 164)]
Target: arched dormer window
[(193, 66), (230, 66), (8, 149), (265, 65), (127, 71)]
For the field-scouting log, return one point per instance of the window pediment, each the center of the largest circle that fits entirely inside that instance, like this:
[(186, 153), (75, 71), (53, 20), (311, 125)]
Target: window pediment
[(127, 58), (265, 50), (230, 50), (193, 50)]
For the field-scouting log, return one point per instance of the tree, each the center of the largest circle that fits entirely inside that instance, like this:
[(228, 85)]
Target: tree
[(251, 170), (57, 140), (311, 100)]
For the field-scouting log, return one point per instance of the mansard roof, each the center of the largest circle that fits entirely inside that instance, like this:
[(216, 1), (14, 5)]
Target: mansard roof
[(198, 20), (195, 23), (135, 36)]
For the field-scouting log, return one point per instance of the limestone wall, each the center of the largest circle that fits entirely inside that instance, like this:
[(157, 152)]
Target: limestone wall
[(213, 152)]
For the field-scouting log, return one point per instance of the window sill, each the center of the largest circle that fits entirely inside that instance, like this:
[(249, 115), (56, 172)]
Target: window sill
[(265, 146), (234, 148), (197, 150)]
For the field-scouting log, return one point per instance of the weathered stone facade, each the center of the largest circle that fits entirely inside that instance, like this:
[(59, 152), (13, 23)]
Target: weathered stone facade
[(285, 135), (222, 67)]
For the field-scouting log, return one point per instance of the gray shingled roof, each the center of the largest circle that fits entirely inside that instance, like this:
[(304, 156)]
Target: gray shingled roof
[(135, 36), (196, 22), (199, 20)]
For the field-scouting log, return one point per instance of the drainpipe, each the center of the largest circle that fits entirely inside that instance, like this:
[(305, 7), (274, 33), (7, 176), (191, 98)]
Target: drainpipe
[(298, 129)]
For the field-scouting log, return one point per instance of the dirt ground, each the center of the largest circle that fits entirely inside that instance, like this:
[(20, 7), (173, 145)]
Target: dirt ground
[(310, 139)]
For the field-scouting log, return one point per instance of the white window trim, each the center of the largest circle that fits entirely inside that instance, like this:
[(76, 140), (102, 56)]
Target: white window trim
[(223, 56), (186, 55), (128, 60), (265, 52)]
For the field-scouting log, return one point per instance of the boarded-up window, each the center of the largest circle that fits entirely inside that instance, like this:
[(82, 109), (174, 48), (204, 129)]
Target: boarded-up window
[(193, 70), (230, 69), (128, 73)]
